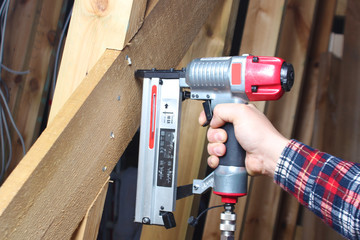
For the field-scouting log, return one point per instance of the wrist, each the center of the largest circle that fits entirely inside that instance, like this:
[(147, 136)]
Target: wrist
[(273, 154)]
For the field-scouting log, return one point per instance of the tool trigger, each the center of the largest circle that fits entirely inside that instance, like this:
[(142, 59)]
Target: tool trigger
[(208, 112)]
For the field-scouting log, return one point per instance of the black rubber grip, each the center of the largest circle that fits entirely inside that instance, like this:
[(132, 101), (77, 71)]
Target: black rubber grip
[(235, 154)]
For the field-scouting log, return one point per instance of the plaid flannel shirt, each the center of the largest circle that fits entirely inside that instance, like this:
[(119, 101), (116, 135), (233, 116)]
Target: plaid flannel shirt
[(328, 186)]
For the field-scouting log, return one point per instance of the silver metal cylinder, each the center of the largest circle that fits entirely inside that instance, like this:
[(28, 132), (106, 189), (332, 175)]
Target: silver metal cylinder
[(209, 73), (225, 178)]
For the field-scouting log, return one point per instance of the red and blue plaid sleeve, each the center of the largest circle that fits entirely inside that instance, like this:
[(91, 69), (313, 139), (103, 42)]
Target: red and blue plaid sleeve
[(328, 186)]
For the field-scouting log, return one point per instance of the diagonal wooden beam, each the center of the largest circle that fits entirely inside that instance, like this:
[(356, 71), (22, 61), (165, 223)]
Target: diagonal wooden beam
[(49, 192)]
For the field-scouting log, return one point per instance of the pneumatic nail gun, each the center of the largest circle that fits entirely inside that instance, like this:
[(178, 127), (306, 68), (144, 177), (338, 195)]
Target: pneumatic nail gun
[(237, 79)]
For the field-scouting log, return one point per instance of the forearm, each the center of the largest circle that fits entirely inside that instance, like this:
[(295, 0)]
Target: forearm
[(328, 186)]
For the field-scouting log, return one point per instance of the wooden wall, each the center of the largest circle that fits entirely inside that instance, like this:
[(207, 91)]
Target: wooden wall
[(322, 109)]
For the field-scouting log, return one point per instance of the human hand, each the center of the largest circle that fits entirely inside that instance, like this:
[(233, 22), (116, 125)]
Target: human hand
[(261, 141)]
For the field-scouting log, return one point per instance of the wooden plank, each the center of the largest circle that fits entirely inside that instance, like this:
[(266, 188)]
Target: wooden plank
[(233, 15), (326, 101), (16, 44), (326, 98), (47, 195), (347, 136), (320, 43), (94, 26), (263, 21), (30, 48), (208, 43), (341, 7)]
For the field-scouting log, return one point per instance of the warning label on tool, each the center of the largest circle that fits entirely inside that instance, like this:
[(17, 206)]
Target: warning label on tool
[(166, 157)]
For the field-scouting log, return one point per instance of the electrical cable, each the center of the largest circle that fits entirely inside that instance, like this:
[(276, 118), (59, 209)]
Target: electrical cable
[(13, 122), (14, 71)]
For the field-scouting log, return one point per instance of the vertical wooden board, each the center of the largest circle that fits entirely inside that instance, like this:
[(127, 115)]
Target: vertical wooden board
[(263, 21), (347, 136), (326, 98), (262, 26), (17, 43), (306, 109), (208, 43), (341, 7), (233, 14), (26, 91), (326, 101), (94, 26)]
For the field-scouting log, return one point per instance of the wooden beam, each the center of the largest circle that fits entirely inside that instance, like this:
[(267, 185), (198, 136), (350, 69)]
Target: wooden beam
[(347, 134), (341, 7), (323, 131), (94, 26), (306, 112), (49, 192)]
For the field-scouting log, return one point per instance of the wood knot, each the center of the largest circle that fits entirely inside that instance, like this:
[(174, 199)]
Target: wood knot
[(51, 36), (18, 79), (34, 85), (99, 7), (209, 31)]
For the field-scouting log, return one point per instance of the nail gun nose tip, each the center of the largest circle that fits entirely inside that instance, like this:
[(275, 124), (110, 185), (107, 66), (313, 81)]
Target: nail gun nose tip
[(287, 76)]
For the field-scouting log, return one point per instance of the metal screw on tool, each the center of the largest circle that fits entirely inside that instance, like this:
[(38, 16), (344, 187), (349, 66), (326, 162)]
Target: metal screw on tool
[(146, 220), (196, 187)]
